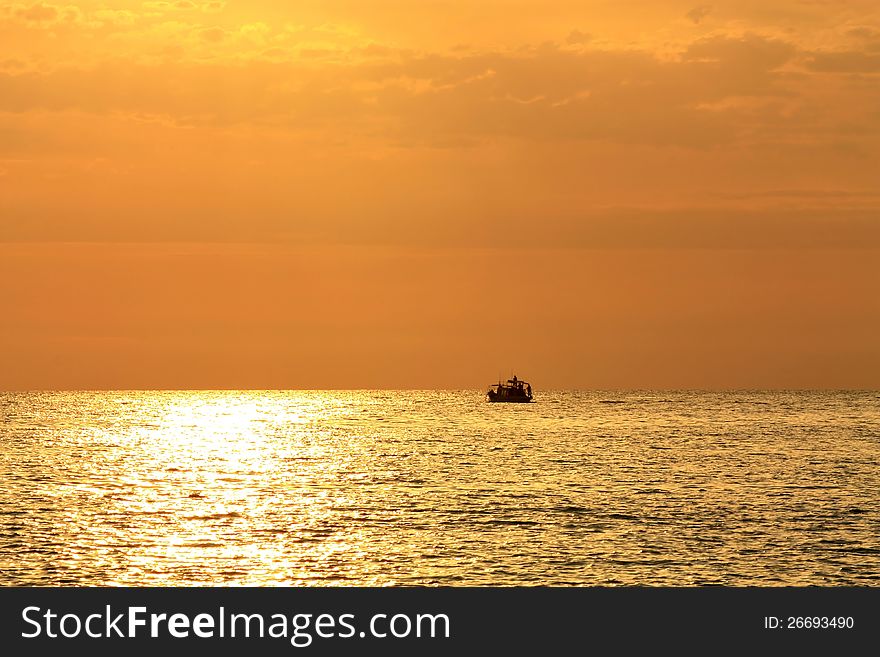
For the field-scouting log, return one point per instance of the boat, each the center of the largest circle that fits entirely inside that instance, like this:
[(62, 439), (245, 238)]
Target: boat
[(513, 391)]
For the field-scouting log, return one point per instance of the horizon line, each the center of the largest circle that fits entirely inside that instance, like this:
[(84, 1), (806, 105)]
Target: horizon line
[(366, 389)]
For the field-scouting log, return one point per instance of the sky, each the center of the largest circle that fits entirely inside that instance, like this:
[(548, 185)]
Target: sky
[(392, 194)]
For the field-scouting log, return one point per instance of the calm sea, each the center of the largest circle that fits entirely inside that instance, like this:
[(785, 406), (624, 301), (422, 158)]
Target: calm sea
[(439, 488)]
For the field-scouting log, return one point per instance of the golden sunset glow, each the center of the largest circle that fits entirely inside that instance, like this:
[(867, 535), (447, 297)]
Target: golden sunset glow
[(347, 194)]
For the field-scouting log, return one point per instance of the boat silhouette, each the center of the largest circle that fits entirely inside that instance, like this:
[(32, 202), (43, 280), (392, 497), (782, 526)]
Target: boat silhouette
[(513, 391)]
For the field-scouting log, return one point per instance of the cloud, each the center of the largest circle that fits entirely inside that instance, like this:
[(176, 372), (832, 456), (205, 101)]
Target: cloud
[(41, 15), (213, 34), (864, 32), (748, 52), (697, 14), (543, 93), (13, 65), (162, 5), (833, 195), (844, 62), (577, 37), (720, 90), (193, 209), (38, 13), (115, 17)]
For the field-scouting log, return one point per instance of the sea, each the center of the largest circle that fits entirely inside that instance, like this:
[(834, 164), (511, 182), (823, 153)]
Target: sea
[(439, 488)]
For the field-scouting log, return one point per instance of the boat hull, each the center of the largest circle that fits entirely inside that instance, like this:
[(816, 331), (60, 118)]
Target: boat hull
[(507, 399)]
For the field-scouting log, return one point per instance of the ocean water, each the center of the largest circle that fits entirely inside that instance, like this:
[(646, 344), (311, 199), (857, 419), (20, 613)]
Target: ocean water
[(439, 488)]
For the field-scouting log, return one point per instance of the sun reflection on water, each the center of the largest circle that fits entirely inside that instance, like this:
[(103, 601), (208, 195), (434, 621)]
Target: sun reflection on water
[(214, 467)]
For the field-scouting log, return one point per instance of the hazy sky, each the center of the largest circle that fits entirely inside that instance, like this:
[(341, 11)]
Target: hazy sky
[(389, 193)]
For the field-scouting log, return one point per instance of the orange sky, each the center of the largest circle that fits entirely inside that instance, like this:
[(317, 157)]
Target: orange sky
[(341, 193)]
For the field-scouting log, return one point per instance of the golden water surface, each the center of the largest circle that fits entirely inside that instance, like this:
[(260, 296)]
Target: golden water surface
[(439, 488)]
